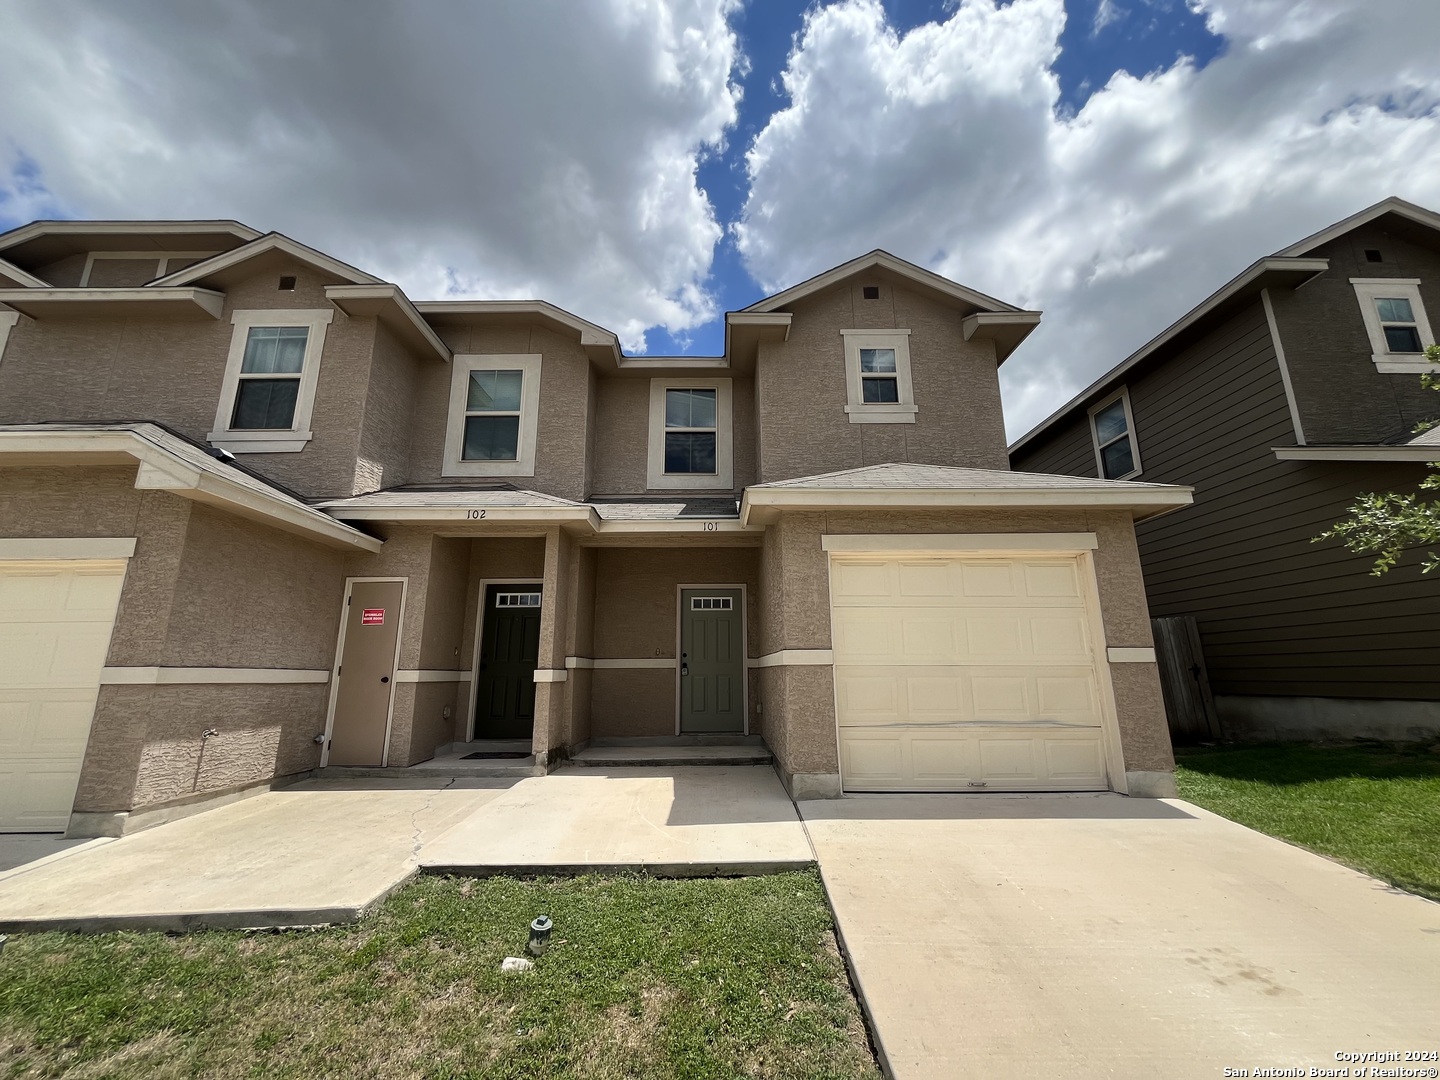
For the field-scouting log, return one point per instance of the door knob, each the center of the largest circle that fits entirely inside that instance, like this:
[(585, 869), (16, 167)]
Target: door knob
[(384, 678)]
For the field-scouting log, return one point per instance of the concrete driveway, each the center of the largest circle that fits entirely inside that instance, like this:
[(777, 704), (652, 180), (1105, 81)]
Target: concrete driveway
[(1090, 936)]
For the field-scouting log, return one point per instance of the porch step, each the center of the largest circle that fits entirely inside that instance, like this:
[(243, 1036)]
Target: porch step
[(609, 757), (679, 740), (446, 768)]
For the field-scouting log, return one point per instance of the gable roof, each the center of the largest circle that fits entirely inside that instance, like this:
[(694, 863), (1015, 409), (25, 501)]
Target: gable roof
[(264, 245), (22, 278), (1288, 267), (1237, 293), (1405, 211), (883, 260), (41, 242)]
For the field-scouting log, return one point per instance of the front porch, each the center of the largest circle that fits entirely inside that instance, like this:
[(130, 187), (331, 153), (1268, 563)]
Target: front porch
[(555, 646)]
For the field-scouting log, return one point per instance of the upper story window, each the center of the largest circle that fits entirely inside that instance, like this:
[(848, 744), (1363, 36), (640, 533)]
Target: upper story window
[(691, 435), (268, 392), (494, 416), (1112, 429), (1395, 320), (877, 377)]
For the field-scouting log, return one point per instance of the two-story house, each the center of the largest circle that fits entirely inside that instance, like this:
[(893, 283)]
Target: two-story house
[(260, 513), (1280, 399)]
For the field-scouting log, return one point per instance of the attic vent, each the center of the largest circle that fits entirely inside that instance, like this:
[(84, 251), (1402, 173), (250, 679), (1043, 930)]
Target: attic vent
[(870, 292), (287, 284), (1372, 255)]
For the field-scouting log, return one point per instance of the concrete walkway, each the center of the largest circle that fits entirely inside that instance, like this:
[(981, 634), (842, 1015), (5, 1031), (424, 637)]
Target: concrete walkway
[(325, 850), (676, 821), (319, 852), (1099, 936)]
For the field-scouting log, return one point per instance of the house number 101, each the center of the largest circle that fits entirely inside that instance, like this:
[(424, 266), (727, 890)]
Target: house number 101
[(474, 515)]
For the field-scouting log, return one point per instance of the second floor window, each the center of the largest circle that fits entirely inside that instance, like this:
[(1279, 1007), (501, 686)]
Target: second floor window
[(1113, 431), (690, 431), (269, 382), (1395, 321), (879, 378), (878, 388), (267, 395), (492, 416)]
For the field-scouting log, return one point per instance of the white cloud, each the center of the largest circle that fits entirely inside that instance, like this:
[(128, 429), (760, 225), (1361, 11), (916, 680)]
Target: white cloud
[(1106, 12), (538, 149), (945, 147)]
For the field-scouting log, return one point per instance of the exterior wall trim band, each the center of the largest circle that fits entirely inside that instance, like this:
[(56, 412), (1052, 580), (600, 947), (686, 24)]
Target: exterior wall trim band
[(171, 676)]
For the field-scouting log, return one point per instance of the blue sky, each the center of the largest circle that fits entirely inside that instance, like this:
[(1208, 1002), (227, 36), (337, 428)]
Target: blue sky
[(1138, 37), (643, 164)]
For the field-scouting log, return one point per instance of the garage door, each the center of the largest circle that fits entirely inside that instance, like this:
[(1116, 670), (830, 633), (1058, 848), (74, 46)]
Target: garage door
[(956, 674), (55, 622)]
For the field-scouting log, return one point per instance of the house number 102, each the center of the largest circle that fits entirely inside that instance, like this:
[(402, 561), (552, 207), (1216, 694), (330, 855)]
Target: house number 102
[(474, 515)]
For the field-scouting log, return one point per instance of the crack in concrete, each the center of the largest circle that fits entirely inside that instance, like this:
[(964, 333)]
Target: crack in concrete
[(415, 828)]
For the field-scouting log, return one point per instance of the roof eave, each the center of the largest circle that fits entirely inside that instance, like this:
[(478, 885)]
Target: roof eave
[(1263, 273), (159, 469), (1390, 452), (186, 302), (1007, 329), (391, 306), (273, 241), (762, 506)]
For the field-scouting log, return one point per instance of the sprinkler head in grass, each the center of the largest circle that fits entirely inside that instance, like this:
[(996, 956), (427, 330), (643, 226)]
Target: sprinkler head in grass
[(539, 936)]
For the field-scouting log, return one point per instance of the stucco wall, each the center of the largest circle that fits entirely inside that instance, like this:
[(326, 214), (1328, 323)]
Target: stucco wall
[(562, 434), (956, 385), (389, 414), (171, 371)]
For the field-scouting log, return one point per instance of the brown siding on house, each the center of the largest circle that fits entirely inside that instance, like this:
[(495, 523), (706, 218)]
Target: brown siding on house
[(1278, 614), (956, 387), (1341, 396), (1067, 450)]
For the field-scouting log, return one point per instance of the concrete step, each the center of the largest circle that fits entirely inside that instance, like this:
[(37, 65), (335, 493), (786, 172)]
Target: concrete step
[(679, 740), (610, 757), (440, 769)]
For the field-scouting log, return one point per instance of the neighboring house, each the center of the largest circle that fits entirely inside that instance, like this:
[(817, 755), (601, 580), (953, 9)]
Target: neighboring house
[(261, 513), (1279, 399)]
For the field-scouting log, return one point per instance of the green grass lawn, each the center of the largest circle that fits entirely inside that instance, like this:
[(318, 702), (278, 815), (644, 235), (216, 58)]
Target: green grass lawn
[(645, 978), (1371, 806)]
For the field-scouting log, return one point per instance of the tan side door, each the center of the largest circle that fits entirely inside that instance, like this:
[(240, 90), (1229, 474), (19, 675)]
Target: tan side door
[(365, 679)]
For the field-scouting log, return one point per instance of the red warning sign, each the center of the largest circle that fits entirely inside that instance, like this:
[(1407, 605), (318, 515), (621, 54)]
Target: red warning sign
[(372, 616)]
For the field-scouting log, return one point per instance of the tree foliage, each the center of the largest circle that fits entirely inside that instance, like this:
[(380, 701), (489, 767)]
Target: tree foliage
[(1386, 524)]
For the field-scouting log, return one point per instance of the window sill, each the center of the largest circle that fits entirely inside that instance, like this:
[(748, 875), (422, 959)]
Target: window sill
[(688, 482), (881, 414), (260, 442), (488, 468), (1391, 364)]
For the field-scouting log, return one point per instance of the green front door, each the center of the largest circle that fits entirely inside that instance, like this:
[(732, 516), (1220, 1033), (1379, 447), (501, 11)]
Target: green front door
[(509, 648), (712, 662)]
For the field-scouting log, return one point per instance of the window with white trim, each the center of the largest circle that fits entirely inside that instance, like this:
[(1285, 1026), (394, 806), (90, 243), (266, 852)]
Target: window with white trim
[(517, 599), (712, 603), (494, 415), (1396, 322), (1112, 430), (268, 393), (691, 435), (877, 377)]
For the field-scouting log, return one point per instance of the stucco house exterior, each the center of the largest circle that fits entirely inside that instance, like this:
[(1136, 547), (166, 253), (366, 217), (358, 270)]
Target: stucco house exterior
[(1279, 399), (261, 513)]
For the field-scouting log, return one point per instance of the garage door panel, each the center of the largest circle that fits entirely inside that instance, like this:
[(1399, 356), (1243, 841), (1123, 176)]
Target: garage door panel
[(56, 620), (977, 673), (971, 758)]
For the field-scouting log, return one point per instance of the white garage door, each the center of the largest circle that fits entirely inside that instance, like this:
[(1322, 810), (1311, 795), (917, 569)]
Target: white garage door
[(55, 622), (957, 674)]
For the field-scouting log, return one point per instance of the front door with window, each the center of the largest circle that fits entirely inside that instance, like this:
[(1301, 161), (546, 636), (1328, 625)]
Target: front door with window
[(509, 650), (712, 662)]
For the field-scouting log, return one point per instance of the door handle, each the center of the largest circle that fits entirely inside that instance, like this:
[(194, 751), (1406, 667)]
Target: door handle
[(384, 678)]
